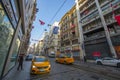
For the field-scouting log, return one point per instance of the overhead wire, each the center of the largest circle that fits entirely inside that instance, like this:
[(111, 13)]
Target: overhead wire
[(55, 15), (58, 11)]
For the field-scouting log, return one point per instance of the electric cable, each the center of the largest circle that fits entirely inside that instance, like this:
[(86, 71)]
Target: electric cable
[(57, 11), (55, 14)]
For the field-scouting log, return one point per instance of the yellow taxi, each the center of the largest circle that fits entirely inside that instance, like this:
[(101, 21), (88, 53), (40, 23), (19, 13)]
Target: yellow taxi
[(66, 59), (39, 65)]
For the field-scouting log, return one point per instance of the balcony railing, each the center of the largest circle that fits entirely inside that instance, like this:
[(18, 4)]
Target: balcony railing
[(89, 5), (95, 36), (90, 17), (91, 20), (92, 28), (108, 9)]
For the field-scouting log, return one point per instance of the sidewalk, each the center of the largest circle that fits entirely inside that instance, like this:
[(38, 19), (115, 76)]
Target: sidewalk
[(21, 74), (100, 69)]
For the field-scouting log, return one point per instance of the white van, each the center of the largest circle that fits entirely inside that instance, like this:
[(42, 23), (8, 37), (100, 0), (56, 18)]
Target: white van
[(51, 54)]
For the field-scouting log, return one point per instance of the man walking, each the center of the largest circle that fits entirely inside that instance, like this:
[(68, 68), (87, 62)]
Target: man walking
[(20, 60)]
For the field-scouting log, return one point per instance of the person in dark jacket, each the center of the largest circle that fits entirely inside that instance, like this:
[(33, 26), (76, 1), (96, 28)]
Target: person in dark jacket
[(85, 59), (20, 60)]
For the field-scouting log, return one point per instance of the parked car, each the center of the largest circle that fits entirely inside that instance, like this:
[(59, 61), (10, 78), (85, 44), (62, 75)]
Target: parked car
[(29, 57), (40, 64), (108, 61), (51, 54), (66, 59)]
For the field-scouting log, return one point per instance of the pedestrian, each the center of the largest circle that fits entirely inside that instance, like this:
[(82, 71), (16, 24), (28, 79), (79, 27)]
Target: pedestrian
[(85, 59), (20, 60)]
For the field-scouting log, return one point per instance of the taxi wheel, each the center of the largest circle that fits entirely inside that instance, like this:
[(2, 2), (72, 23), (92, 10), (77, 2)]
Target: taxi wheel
[(65, 62), (56, 61)]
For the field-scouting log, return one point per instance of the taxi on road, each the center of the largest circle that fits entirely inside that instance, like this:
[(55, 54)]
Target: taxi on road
[(65, 58), (39, 65)]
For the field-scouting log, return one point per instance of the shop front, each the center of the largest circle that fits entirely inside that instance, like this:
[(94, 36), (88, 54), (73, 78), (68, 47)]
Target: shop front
[(9, 19), (6, 35), (76, 52)]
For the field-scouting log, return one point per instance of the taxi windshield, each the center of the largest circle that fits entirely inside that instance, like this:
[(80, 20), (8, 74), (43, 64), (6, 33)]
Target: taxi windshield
[(40, 59), (68, 55)]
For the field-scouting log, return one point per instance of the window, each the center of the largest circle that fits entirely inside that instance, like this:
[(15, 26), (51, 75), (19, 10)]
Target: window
[(6, 34), (15, 8), (13, 56)]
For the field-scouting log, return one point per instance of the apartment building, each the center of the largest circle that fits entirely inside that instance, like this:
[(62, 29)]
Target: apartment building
[(53, 38), (69, 33), (45, 45), (15, 28), (100, 30)]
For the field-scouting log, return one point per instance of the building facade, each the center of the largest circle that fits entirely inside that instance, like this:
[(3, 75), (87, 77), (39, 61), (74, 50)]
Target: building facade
[(69, 33), (45, 40), (53, 39), (13, 30), (100, 30)]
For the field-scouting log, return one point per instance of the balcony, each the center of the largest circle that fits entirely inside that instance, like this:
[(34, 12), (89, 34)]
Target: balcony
[(92, 12), (82, 2), (72, 26), (90, 20), (73, 36), (72, 17), (110, 21), (104, 2), (90, 17), (95, 36), (75, 41), (89, 5), (108, 9), (93, 29)]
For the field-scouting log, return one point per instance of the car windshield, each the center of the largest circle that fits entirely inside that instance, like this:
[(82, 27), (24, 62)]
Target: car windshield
[(68, 55), (40, 59), (30, 56)]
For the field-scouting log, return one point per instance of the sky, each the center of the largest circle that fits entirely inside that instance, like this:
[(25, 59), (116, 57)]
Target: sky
[(46, 13)]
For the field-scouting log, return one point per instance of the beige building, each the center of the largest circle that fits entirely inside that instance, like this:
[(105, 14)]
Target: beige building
[(45, 45), (69, 33), (53, 39)]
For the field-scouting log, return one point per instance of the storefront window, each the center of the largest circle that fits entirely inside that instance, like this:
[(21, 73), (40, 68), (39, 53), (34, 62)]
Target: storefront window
[(15, 8), (6, 34), (13, 57)]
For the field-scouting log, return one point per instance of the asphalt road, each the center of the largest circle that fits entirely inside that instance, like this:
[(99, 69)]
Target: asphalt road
[(69, 72), (85, 71)]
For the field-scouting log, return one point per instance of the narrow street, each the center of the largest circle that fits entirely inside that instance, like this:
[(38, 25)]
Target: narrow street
[(58, 72)]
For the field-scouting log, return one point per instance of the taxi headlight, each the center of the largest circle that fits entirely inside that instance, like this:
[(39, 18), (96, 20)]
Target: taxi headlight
[(34, 66), (49, 65)]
